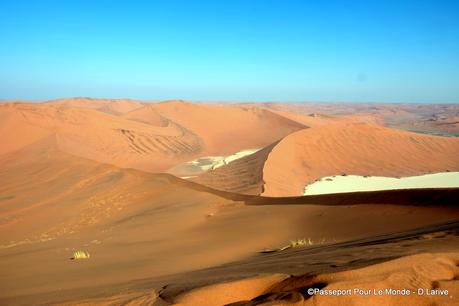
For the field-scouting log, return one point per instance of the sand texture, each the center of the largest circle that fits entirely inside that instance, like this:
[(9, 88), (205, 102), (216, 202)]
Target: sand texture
[(90, 216)]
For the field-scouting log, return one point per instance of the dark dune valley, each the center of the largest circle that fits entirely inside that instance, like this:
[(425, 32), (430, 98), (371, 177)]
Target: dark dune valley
[(126, 202)]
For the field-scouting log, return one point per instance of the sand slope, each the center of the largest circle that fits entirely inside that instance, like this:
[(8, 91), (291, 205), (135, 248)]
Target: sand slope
[(137, 225), (423, 279), (363, 263), (128, 134), (157, 239), (226, 129), (98, 136), (266, 279), (244, 175), (344, 148), (360, 149)]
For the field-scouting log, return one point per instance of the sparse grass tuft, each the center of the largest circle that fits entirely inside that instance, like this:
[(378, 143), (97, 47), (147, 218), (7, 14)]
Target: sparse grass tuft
[(301, 242), (296, 243), (81, 255)]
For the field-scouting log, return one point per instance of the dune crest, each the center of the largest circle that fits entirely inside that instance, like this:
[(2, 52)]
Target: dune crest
[(110, 106), (149, 238), (233, 128), (359, 149), (129, 134), (54, 203), (287, 166)]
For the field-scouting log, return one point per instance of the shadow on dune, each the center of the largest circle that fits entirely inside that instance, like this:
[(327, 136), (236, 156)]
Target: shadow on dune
[(414, 197)]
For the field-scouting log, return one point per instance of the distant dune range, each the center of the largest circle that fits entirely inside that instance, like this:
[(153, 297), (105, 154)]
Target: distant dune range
[(158, 136), (425, 118), (155, 239), (110, 106), (448, 123), (152, 137)]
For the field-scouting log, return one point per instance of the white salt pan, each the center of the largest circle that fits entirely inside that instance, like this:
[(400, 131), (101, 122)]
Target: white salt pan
[(352, 183)]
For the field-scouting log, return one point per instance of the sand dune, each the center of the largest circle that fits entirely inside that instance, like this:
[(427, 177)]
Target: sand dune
[(278, 279), (362, 263), (241, 176), (152, 138), (111, 106), (425, 118), (216, 125), (422, 279), (137, 225), (66, 186), (284, 169), (148, 115), (98, 136), (359, 149), (226, 129)]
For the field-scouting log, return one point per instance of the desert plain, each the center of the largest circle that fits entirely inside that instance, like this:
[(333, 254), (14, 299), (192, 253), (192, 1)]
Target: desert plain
[(187, 203)]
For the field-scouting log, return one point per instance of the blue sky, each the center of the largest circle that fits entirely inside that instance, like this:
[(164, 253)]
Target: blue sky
[(247, 50)]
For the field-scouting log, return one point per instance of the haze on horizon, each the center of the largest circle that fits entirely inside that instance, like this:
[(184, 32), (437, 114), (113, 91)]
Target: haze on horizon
[(359, 51)]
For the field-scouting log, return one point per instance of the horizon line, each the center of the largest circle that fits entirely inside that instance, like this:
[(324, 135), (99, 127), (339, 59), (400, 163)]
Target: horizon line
[(19, 100)]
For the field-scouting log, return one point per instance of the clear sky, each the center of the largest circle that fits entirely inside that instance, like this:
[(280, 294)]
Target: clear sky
[(247, 50)]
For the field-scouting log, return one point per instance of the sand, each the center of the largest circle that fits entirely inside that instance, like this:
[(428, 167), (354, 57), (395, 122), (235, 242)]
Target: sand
[(354, 149), (284, 168), (137, 225), (353, 183), (423, 279), (445, 123), (226, 129), (110, 106), (128, 134), (82, 175), (244, 175), (195, 167)]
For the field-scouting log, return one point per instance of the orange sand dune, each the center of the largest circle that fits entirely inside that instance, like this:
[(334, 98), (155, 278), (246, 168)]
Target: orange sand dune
[(335, 149), (360, 149), (152, 138), (155, 239), (423, 279), (315, 119), (111, 106), (283, 278), (148, 115), (226, 129), (244, 175), (425, 118), (137, 225), (286, 278), (98, 136), (316, 114)]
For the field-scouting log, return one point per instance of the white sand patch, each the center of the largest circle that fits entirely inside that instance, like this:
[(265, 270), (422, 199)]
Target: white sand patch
[(192, 168), (224, 160), (351, 183)]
